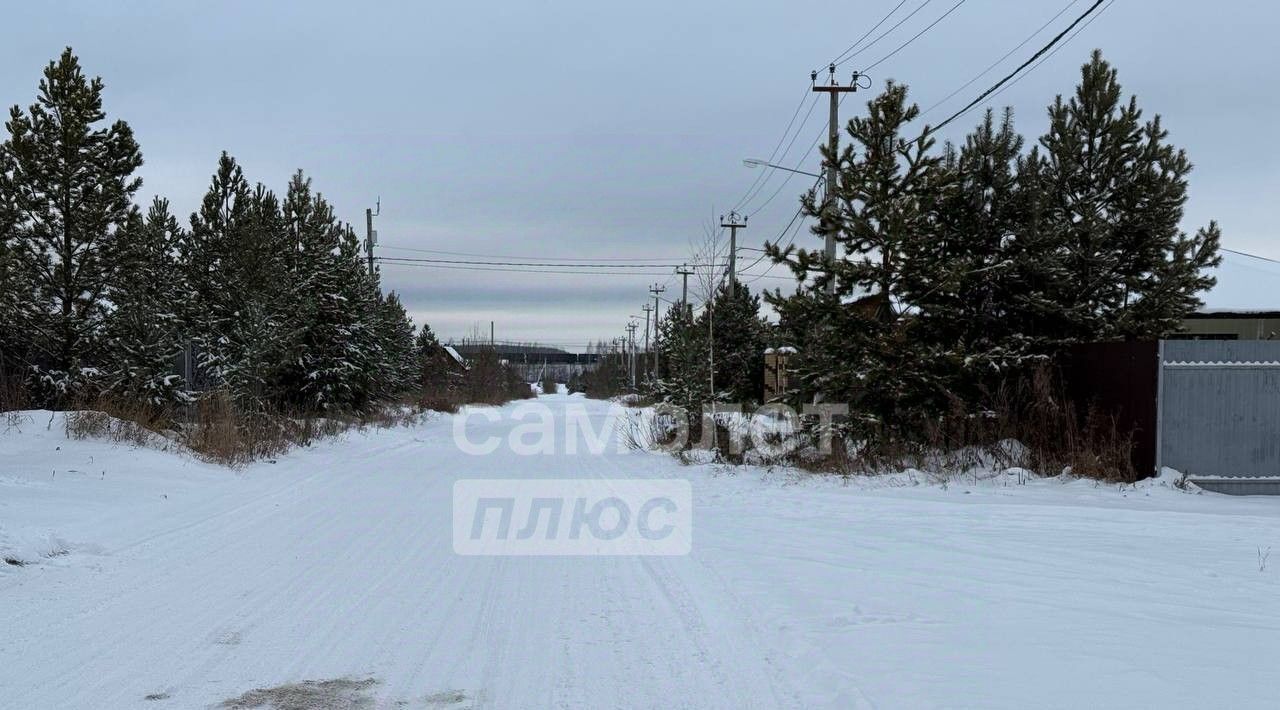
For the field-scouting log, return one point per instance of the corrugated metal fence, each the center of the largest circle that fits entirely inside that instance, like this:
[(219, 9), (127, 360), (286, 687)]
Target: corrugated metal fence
[(1219, 413)]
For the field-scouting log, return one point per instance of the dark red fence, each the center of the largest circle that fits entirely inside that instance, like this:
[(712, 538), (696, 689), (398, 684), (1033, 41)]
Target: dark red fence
[(1120, 381)]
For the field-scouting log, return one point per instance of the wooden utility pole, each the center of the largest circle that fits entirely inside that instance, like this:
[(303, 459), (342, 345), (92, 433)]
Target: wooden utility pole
[(370, 236), (686, 272), (733, 225), (834, 90), (655, 290), (647, 310), (631, 334)]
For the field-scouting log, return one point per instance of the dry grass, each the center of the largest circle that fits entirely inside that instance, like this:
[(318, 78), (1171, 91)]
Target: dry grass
[(334, 694), (487, 381), (12, 399), (1026, 424), (215, 429)]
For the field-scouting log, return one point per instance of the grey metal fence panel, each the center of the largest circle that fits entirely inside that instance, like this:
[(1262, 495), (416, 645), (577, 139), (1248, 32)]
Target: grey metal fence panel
[(1220, 408)]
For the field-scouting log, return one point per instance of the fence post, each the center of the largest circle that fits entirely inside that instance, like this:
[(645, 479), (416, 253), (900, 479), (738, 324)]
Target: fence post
[(1159, 407)]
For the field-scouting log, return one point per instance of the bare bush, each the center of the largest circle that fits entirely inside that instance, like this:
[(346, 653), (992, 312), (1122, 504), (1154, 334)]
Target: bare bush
[(636, 400), (657, 429), (633, 432)]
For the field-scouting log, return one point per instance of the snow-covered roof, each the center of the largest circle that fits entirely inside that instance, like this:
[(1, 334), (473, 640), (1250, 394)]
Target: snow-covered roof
[(454, 354), (1246, 284)]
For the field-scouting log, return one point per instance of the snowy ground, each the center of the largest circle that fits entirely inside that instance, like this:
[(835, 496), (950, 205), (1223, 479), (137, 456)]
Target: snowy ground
[(156, 581)]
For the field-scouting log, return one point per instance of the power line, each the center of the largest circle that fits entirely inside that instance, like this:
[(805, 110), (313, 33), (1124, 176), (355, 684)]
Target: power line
[(867, 34), (837, 62), (791, 240), (985, 94), (804, 157), (903, 46), (570, 269), (785, 229), (1015, 72), (1252, 256), (515, 270), (762, 179), (757, 277), (886, 33), (759, 184), (786, 132), (1048, 56), (997, 62), (529, 263), (769, 172), (841, 60), (531, 258)]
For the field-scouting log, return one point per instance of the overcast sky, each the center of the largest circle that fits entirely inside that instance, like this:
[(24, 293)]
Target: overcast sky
[(605, 130)]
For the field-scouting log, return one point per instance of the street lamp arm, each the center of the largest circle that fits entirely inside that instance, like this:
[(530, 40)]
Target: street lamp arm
[(757, 163)]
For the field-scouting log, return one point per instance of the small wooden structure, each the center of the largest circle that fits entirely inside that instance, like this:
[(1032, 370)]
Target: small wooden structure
[(775, 372)]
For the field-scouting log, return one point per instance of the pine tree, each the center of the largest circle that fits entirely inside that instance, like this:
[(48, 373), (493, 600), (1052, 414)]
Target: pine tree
[(954, 276), (144, 335), (977, 285), (15, 290), (71, 180), (1115, 196), (213, 293), (733, 326), (398, 368), (363, 349), (260, 334), (739, 337), (426, 343), (320, 369), (236, 260), (685, 377), (433, 364)]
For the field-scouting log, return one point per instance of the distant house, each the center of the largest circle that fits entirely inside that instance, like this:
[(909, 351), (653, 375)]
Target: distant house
[(1243, 305), (457, 360)]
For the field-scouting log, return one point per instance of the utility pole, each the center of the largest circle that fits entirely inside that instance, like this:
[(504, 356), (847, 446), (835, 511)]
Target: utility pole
[(631, 334), (492, 343), (655, 290), (834, 90), (647, 310), (620, 347), (733, 226), (370, 236), (686, 272)]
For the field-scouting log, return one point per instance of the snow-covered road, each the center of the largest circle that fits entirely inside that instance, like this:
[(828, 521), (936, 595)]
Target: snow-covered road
[(177, 584)]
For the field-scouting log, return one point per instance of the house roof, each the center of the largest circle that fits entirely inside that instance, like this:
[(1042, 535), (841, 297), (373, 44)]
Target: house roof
[(454, 354), (1246, 284)]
